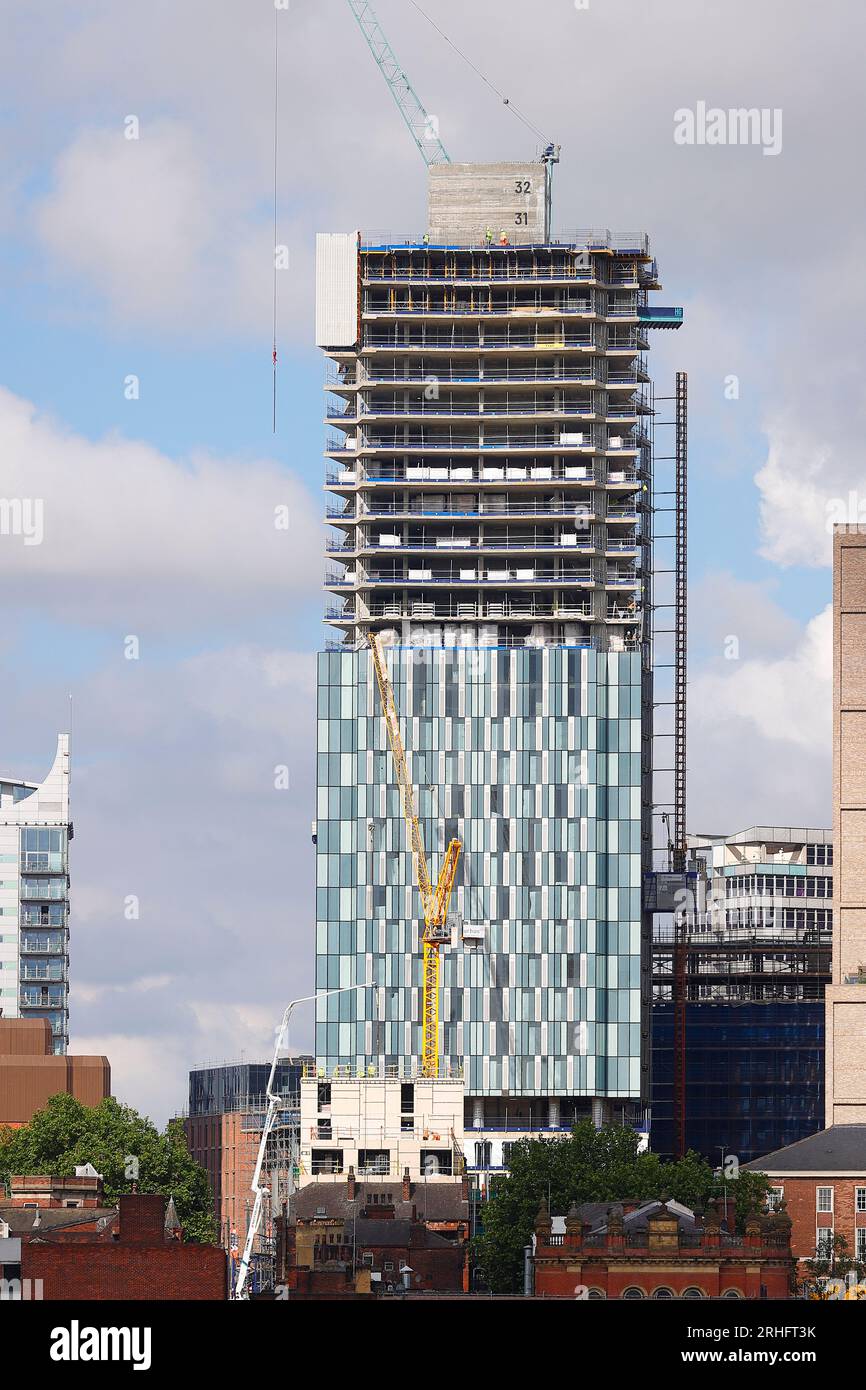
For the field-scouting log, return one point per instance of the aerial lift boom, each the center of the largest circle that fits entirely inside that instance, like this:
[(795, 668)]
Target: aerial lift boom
[(434, 901)]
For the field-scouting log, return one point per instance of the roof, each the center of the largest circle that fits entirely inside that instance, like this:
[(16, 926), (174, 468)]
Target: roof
[(596, 1215), (433, 1201), (397, 1234), (839, 1149), (761, 834), (20, 1219)]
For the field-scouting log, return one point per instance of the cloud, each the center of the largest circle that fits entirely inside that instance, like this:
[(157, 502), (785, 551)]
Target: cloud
[(760, 734), (806, 485), (175, 805), (151, 228), (722, 606), (132, 535)]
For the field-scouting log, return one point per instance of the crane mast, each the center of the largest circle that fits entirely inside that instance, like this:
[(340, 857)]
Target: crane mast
[(434, 901), (421, 127)]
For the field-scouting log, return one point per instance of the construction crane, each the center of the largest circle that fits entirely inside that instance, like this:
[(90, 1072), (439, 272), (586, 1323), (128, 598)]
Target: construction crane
[(422, 126), (434, 901)]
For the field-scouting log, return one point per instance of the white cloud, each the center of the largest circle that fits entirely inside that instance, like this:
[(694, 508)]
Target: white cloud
[(131, 534), (787, 698), (799, 484), (157, 231), (760, 736)]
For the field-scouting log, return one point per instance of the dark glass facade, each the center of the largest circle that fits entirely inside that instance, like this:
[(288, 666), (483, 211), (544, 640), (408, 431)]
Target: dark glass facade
[(754, 1077), (240, 1086)]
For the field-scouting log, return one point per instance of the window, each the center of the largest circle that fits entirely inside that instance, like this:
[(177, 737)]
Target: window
[(596, 1293), (774, 1197), (860, 1243), (327, 1160), (483, 1149), (663, 1293), (732, 1293), (693, 1293), (374, 1160), (860, 1198), (388, 1265), (367, 1257), (436, 1162), (633, 1293), (824, 1242), (824, 1199)]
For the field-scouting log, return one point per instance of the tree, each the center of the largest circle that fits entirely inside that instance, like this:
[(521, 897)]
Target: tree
[(66, 1133), (592, 1165), (835, 1274)]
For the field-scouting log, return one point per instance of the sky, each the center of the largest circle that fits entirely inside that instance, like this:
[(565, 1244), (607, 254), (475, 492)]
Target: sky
[(168, 618)]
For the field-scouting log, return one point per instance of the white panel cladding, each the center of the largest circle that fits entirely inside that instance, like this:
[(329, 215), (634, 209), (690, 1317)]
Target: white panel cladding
[(336, 289)]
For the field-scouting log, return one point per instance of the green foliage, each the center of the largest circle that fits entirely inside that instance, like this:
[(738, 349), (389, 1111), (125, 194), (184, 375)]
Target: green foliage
[(824, 1272), (66, 1133), (593, 1165)]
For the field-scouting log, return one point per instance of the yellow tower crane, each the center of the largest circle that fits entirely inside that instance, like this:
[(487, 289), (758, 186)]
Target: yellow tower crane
[(434, 901)]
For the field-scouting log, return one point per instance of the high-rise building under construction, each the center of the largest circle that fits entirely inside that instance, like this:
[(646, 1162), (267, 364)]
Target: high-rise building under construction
[(488, 492)]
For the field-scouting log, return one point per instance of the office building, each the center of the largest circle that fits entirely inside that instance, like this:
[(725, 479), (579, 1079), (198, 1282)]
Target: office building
[(31, 1072), (846, 996), (488, 482), (223, 1127), (756, 960)]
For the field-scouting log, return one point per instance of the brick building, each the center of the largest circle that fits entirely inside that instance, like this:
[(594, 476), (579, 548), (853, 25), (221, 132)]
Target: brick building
[(352, 1238), (31, 1072), (78, 1247), (659, 1250), (822, 1180)]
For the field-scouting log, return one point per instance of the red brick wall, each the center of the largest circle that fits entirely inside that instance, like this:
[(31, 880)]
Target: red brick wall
[(555, 1281), (801, 1197), (133, 1271)]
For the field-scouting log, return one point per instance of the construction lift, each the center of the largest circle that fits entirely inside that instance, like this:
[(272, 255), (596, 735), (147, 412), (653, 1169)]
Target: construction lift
[(434, 901)]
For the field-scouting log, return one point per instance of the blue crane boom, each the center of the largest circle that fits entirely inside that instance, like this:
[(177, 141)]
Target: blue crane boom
[(422, 127)]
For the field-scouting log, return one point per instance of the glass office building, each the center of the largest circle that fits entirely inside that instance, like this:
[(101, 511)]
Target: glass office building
[(488, 487), (533, 760), (757, 961)]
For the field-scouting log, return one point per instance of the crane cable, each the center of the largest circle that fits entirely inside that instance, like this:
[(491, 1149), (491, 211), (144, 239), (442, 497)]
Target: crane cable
[(468, 61), (276, 129)]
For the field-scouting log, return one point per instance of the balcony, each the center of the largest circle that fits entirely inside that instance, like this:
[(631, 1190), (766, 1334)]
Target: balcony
[(500, 610), (531, 576), (41, 946), (435, 545), (466, 310), (449, 410), (469, 475), (43, 997), (480, 272), (447, 375), (43, 862), (42, 972), (508, 342)]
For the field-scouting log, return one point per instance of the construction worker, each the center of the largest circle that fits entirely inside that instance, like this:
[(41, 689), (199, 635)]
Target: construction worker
[(503, 238), (488, 236), (426, 239)]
